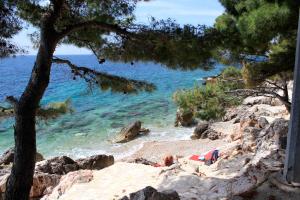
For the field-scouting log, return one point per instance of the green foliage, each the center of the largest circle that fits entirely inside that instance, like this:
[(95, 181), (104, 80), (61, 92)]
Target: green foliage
[(10, 25), (54, 110), (50, 111), (260, 34), (231, 79), (231, 72), (165, 42), (210, 101)]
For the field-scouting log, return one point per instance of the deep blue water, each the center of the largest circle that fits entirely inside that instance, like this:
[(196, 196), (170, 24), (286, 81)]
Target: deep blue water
[(98, 115)]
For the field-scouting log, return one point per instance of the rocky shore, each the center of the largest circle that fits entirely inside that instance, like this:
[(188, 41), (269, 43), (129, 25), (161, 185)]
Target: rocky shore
[(251, 139)]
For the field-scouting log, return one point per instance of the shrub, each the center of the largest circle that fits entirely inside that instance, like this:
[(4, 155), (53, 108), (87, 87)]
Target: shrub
[(209, 102)]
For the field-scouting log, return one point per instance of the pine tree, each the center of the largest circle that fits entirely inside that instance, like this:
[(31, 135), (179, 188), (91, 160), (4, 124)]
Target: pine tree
[(261, 36), (104, 27)]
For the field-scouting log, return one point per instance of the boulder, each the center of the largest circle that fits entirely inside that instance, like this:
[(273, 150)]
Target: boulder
[(251, 133), (210, 134), (130, 132), (280, 126), (95, 162), (49, 172), (41, 183), (248, 121), (201, 128), (63, 164), (262, 122), (249, 138), (4, 170), (149, 193), (184, 118), (144, 131), (213, 135), (39, 157), (231, 113), (58, 165), (67, 181), (8, 157), (257, 100), (279, 129), (3, 180), (276, 102)]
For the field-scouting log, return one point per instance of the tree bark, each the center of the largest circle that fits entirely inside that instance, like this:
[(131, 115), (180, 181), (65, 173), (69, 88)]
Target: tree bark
[(291, 172), (286, 96), (20, 180)]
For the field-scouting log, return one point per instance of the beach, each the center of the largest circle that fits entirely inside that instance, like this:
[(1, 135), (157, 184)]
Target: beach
[(81, 161), (99, 115), (238, 171)]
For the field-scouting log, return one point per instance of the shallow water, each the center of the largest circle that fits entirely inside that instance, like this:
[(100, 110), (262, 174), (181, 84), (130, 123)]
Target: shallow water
[(98, 115)]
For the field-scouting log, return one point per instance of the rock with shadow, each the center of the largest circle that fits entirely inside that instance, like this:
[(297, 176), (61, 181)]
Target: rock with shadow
[(130, 132), (58, 165), (149, 193), (8, 157), (199, 130), (95, 162), (184, 118), (63, 164)]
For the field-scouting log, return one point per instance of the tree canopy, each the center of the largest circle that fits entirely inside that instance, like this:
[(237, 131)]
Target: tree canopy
[(261, 34), (109, 30), (258, 33), (10, 25)]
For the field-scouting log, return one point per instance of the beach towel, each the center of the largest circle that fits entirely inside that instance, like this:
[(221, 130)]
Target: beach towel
[(195, 157), (209, 157)]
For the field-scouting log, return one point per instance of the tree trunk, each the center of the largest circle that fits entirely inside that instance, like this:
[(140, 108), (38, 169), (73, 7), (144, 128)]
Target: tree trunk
[(286, 96), (20, 180), (291, 172)]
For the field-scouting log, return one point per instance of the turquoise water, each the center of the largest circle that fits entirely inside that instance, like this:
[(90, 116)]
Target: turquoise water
[(98, 115)]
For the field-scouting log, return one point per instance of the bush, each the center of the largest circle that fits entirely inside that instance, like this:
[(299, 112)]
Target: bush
[(210, 101)]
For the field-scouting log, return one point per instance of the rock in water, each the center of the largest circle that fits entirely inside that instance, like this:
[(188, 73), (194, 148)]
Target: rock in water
[(149, 193), (95, 162), (144, 131), (130, 132), (184, 118), (199, 130), (8, 157)]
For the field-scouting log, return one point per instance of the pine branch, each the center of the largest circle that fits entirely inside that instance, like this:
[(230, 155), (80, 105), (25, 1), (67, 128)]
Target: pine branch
[(50, 111), (93, 24), (87, 44), (274, 84), (106, 81)]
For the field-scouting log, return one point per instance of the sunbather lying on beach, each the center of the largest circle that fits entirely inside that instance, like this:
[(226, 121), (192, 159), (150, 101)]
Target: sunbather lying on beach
[(208, 158)]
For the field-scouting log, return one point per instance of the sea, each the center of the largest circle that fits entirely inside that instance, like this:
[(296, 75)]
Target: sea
[(99, 115)]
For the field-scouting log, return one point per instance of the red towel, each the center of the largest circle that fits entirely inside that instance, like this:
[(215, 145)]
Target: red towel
[(195, 157)]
